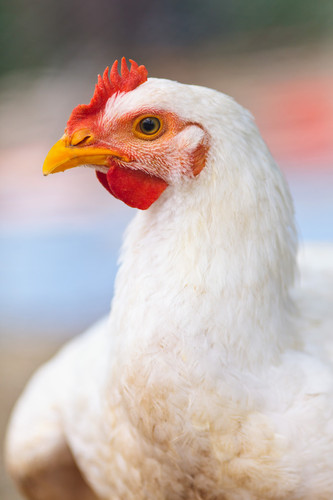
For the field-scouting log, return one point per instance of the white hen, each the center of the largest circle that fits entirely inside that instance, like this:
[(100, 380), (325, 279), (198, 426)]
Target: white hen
[(213, 376)]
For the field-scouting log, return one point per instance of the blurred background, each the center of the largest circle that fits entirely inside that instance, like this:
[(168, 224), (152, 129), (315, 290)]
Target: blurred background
[(60, 236)]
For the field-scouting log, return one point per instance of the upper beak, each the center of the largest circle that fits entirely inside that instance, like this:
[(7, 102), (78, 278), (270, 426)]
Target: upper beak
[(77, 150)]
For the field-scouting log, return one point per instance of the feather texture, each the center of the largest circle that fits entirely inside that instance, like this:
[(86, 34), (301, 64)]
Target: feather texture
[(212, 378)]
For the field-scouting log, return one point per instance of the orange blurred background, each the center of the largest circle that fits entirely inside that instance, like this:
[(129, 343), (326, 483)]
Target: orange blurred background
[(60, 236)]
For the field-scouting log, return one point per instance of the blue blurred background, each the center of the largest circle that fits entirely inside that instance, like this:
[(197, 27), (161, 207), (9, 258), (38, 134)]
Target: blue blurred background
[(60, 236)]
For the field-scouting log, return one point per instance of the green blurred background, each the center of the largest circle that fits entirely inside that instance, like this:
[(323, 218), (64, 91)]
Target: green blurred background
[(48, 33), (59, 237)]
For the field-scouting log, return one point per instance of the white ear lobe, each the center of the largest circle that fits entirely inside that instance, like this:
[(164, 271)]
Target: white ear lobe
[(187, 153), (192, 146), (190, 138)]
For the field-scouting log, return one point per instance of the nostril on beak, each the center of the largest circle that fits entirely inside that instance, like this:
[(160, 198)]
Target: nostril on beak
[(85, 140), (81, 138)]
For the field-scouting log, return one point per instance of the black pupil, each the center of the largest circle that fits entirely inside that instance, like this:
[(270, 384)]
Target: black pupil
[(149, 125)]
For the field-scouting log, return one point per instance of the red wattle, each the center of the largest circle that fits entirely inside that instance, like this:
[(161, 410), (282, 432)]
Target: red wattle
[(134, 187)]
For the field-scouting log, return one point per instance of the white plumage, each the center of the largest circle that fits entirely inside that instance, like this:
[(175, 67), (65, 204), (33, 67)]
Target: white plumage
[(213, 377)]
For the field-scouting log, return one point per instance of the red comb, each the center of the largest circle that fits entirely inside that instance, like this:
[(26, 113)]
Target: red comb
[(109, 85)]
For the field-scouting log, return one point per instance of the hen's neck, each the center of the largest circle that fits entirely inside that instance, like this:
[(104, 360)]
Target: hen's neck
[(213, 264)]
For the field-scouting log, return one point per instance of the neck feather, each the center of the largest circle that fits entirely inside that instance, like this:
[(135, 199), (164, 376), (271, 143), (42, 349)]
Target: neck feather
[(214, 259)]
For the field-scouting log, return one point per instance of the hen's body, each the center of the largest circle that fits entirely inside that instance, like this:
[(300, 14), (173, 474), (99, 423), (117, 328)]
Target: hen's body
[(213, 376), (148, 422)]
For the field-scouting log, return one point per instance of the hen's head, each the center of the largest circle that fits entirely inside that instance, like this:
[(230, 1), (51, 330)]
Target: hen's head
[(136, 134)]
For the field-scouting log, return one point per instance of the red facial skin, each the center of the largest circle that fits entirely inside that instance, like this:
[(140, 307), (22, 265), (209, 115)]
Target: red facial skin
[(140, 166)]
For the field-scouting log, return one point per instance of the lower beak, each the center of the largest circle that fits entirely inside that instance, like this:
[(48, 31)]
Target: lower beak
[(64, 155)]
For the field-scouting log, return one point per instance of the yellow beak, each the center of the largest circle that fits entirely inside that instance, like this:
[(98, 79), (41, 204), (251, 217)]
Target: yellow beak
[(77, 150)]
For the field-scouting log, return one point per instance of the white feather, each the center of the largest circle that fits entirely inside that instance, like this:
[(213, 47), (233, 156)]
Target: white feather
[(213, 377)]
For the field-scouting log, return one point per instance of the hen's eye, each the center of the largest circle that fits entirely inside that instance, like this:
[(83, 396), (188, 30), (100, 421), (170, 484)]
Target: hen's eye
[(150, 125)]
